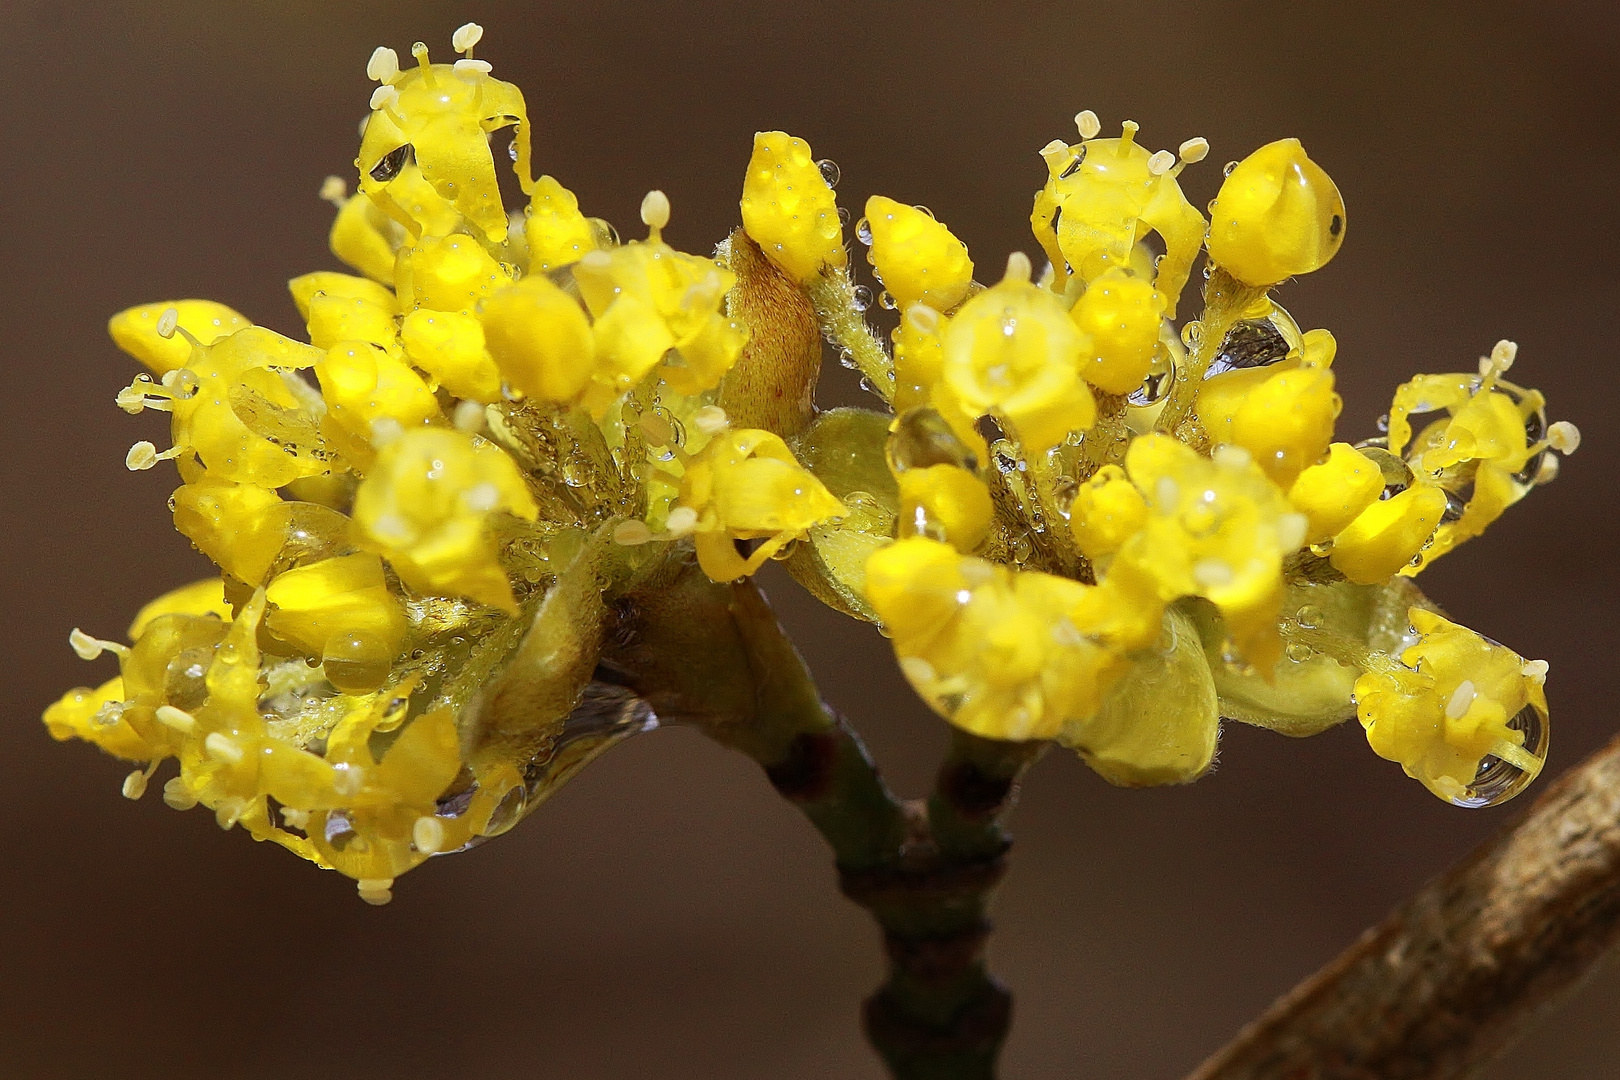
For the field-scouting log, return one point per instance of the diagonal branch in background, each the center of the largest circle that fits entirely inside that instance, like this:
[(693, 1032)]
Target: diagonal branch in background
[(1448, 981)]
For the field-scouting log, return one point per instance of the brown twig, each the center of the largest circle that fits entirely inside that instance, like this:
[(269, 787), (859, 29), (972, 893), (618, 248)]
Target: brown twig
[(1447, 982)]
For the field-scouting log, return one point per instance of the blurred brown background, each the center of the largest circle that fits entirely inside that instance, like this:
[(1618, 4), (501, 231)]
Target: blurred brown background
[(667, 915)]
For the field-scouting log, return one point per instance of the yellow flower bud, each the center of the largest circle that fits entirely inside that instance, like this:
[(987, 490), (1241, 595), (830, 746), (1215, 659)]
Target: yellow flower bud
[(1467, 703), (1013, 350), (83, 713), (371, 394), (746, 485), (557, 233), (919, 260), (1334, 492), (306, 287), (1121, 315), (425, 507), (452, 273), (1107, 511), (1287, 422), (1388, 534), (945, 502), (1277, 215), (541, 339), (449, 346), (789, 210)]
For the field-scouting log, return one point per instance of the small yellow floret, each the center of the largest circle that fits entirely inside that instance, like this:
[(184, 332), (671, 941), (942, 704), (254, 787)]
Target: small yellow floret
[(332, 605), (135, 330), (450, 346), (1287, 422), (945, 502), (557, 233), (541, 339), (451, 273), (425, 506), (1107, 511), (919, 260), (1387, 535), (1278, 214), (371, 394), (1333, 493), (788, 208), (1121, 315)]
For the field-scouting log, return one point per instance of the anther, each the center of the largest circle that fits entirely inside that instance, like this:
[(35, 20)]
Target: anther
[(655, 210), (135, 784), (1212, 573), (384, 430), (375, 891), (1161, 162), (482, 498), (1056, 154), (1194, 150), (167, 322), (1087, 123), (143, 455), (1127, 133), (1461, 699), (483, 67), (89, 647), (1535, 670), (466, 36), (1547, 471), (1564, 437), (1503, 353), (1018, 267), (298, 819), (711, 420), (468, 416), (334, 190), (923, 317), (420, 51), (383, 65), (178, 719), (682, 520), (631, 533), (383, 97), (427, 833), (224, 748)]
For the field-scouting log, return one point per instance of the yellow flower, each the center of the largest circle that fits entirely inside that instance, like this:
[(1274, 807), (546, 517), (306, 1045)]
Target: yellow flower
[(1013, 351), (746, 485), (450, 273), (541, 339), (371, 394), (1121, 316), (1107, 511), (1287, 422), (789, 209), (425, 506), (1387, 536), (919, 260), (341, 307), (1277, 215), (1333, 493), (135, 330), (556, 232), (1468, 721)]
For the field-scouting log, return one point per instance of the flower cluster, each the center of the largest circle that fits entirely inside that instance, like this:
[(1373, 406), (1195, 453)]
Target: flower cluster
[(1074, 520), (489, 405)]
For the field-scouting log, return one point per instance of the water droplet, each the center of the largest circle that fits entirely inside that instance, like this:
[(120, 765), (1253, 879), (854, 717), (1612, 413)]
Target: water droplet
[(863, 232), (1021, 547), (1074, 166), (922, 438), (861, 298), (1192, 334), (829, 171), (1308, 616), (391, 164), (1251, 343), (1497, 779), (1298, 652), (507, 812), (1383, 424), (1226, 170), (1456, 505), (843, 215), (512, 150), (886, 301)]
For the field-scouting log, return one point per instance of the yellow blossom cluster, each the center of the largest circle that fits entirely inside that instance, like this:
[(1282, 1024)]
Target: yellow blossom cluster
[(476, 412), (1076, 488)]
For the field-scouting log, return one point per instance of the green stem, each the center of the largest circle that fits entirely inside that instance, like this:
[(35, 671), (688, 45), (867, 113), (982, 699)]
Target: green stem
[(1226, 301), (833, 294)]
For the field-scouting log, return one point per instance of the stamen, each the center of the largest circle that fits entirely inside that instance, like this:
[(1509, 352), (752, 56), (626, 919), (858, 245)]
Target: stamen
[(1127, 135), (1547, 471), (483, 67), (1535, 670), (135, 784), (177, 796), (384, 97), (298, 819), (143, 455), (167, 322), (334, 191), (89, 647), (469, 417), (1503, 354), (1194, 150), (482, 498), (1087, 123), (1161, 162), (384, 430), (1018, 267), (1564, 437), (631, 533), (1213, 573), (682, 520), (383, 65), (427, 833), (1057, 155), (923, 317), (178, 719), (655, 210), (466, 36), (1461, 699), (375, 891), (420, 51), (711, 420), (223, 748)]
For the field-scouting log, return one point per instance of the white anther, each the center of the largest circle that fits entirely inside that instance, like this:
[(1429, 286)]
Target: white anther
[(1194, 150), (298, 819), (383, 65), (1535, 670), (1547, 471), (681, 521), (1461, 699), (383, 97), (482, 498), (917, 670), (167, 322), (375, 891), (1167, 493), (143, 455), (1087, 123), (1232, 456), (132, 399), (1064, 632), (1503, 353), (177, 796), (427, 833), (1018, 267), (483, 67), (923, 317), (469, 417), (347, 779), (1161, 162), (393, 529), (384, 430), (466, 36), (1056, 154), (1213, 573), (179, 719), (655, 210), (135, 784), (224, 748), (334, 190), (631, 533), (1564, 437), (89, 647), (1291, 530), (711, 420)]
